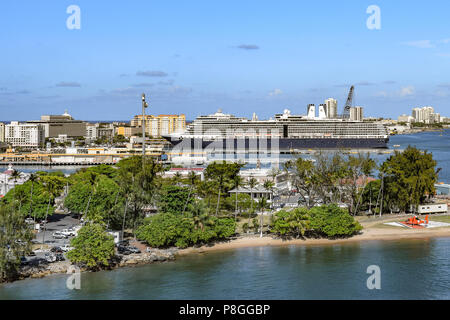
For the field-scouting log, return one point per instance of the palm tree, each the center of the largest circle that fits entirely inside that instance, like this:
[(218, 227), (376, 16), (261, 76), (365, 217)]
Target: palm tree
[(14, 176), (220, 179), (238, 182), (200, 216), (192, 177), (274, 172), (93, 182), (33, 178), (252, 183), (268, 186), (50, 191), (262, 204)]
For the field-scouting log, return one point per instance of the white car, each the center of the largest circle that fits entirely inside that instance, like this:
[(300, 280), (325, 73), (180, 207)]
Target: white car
[(66, 248), (68, 233)]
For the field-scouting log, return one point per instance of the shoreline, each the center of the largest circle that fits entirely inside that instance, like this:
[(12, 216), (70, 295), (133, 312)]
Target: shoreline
[(162, 255), (370, 234)]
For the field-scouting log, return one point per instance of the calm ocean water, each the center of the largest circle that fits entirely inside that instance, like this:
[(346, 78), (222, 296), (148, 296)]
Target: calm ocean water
[(410, 269)]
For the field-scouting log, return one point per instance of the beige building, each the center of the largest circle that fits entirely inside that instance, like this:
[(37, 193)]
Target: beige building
[(55, 125), (406, 118), (356, 113), (95, 131), (331, 108), (164, 124)]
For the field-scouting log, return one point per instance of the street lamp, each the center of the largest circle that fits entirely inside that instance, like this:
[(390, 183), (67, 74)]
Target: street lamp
[(144, 105)]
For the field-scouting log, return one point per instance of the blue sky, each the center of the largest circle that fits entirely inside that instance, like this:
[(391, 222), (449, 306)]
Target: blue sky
[(245, 56)]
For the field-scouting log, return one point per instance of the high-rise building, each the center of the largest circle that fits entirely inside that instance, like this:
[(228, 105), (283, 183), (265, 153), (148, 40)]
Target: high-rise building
[(24, 135), (331, 108), (356, 113), (164, 124), (2, 132)]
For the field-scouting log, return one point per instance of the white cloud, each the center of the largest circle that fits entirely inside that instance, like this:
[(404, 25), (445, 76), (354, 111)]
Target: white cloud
[(407, 91), (275, 92)]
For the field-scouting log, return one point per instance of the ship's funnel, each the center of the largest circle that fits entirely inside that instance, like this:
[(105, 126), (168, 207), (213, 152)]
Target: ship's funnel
[(311, 111), (322, 113)]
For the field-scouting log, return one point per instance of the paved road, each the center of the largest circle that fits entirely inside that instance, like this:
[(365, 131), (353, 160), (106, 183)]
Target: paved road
[(56, 222)]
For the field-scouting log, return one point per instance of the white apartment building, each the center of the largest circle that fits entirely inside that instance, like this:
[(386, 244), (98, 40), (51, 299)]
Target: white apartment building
[(426, 115), (331, 108), (24, 135)]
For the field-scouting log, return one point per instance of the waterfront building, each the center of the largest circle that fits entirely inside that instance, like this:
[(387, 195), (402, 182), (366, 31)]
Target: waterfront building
[(406, 118), (356, 114), (331, 108), (426, 115), (2, 132), (164, 124), (7, 182), (24, 135), (55, 125)]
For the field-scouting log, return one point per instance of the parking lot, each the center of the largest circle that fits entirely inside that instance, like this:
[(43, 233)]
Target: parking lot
[(57, 222)]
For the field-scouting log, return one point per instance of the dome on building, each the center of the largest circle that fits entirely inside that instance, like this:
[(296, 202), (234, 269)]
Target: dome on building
[(66, 114)]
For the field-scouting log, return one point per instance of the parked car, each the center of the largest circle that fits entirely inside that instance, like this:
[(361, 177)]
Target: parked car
[(58, 235), (29, 220), (24, 261), (125, 243), (133, 249), (123, 250), (66, 248), (56, 250), (59, 257), (50, 257), (68, 232)]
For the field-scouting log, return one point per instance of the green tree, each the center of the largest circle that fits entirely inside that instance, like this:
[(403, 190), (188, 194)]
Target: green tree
[(252, 183), (222, 173), (174, 198), (333, 222), (93, 247), (409, 177), (292, 223), (15, 241), (238, 182)]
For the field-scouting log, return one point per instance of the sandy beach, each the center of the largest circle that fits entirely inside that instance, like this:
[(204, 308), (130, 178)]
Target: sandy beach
[(368, 234)]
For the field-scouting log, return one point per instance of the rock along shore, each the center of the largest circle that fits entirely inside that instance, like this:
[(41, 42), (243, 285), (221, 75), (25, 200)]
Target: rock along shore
[(46, 269)]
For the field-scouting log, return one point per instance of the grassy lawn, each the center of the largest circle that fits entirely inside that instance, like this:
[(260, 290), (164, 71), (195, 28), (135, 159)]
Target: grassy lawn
[(445, 218)]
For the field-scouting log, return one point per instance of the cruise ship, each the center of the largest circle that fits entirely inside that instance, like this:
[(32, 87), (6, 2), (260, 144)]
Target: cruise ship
[(220, 132)]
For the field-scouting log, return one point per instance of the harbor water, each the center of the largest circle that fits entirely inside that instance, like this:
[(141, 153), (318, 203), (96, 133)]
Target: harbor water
[(409, 269)]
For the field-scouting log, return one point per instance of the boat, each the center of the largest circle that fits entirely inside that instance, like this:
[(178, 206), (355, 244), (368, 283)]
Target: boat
[(225, 133)]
